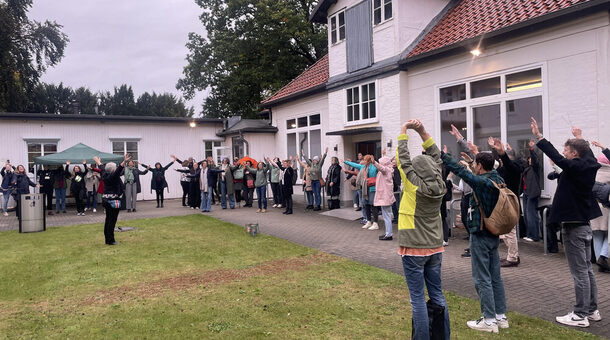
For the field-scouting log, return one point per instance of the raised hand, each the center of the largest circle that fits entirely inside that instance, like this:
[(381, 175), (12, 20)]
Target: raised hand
[(473, 148), (466, 157), (596, 143), (535, 129), (419, 127), (84, 161), (445, 149), (383, 151), (508, 147), (67, 162), (491, 142), (127, 156), (497, 144), (456, 133), (531, 143), (576, 132), (97, 160)]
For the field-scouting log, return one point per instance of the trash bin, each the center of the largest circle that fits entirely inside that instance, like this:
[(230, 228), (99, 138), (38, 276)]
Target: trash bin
[(32, 213)]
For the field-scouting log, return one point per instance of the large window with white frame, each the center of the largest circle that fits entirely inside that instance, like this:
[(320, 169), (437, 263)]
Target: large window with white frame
[(361, 104), (36, 149), (208, 147), (337, 27), (304, 134), (121, 147), (498, 105), (382, 11)]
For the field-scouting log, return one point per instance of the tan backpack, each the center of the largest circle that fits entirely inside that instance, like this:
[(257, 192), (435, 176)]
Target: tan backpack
[(505, 214)]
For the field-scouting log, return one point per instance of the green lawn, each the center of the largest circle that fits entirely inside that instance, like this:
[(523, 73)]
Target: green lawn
[(195, 277)]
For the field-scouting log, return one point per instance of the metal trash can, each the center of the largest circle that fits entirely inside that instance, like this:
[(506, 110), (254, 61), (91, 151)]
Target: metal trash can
[(32, 213)]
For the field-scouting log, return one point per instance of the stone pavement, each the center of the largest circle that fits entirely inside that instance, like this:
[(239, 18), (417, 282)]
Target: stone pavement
[(541, 286)]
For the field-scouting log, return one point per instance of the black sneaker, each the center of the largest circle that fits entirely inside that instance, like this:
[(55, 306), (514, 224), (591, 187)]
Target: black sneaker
[(385, 238), (466, 254)]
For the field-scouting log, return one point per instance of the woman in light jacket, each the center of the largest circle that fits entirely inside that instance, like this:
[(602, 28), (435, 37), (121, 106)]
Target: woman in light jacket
[(276, 188), (384, 195), (369, 175), (261, 183), (92, 183), (131, 176)]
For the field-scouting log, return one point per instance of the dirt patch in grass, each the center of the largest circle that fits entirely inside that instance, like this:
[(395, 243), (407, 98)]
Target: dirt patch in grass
[(183, 282)]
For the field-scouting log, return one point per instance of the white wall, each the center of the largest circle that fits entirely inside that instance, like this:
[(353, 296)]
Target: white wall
[(157, 142), (577, 71)]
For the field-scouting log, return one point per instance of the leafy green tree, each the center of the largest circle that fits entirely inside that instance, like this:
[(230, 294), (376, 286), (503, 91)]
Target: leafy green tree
[(251, 50), (87, 100), (27, 48)]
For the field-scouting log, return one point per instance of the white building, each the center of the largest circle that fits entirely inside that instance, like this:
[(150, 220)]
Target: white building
[(390, 61), (147, 139)]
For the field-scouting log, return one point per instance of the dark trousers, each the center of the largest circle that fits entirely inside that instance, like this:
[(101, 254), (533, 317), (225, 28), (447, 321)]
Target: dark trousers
[(112, 214), (237, 195), (80, 204), (276, 189), (17, 199), (249, 195), (48, 194), (288, 202), (159, 197), (185, 192)]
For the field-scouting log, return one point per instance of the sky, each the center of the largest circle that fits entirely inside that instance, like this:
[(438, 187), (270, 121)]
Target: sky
[(112, 42)]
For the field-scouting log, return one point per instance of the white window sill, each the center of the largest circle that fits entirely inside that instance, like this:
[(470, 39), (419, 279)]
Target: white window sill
[(361, 122)]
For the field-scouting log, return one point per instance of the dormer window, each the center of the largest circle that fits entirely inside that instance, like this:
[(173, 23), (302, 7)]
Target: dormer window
[(382, 11), (337, 27)]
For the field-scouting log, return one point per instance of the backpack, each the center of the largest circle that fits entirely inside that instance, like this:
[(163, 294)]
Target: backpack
[(505, 214)]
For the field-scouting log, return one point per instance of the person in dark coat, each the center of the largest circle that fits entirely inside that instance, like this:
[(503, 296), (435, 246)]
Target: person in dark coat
[(531, 194), (22, 184), (158, 182), (248, 186), (6, 186), (287, 179), (131, 175), (573, 208), (77, 186), (46, 179), (333, 183), (227, 190), (111, 199), (60, 185)]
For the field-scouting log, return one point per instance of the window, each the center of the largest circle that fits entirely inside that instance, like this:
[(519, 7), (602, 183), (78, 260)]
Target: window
[(361, 103), (517, 96), (36, 149), (302, 122), (382, 11), (314, 120), (123, 147), (208, 148), (291, 124), (337, 27), (240, 148), (305, 138)]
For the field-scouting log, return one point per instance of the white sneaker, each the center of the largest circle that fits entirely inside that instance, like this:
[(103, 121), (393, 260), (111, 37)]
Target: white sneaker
[(77, 214), (595, 316), (355, 206), (481, 325), (572, 319), (86, 209), (367, 225), (94, 210), (275, 205), (445, 244), (5, 214), (82, 214), (279, 206), (528, 239), (375, 226), (502, 323)]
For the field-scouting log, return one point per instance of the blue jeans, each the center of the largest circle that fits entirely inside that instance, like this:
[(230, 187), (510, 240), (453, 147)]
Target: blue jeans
[(6, 194), (309, 195), (60, 199), (600, 243), (223, 196), (485, 263), (420, 270), (356, 197), (530, 215), (386, 212), (206, 200), (315, 187), (362, 204), (395, 206), (261, 193), (91, 199)]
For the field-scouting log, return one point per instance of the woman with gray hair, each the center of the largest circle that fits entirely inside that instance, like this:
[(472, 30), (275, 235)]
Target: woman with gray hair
[(111, 199)]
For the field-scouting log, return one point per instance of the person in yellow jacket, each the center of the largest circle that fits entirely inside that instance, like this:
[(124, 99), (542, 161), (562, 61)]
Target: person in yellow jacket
[(420, 228)]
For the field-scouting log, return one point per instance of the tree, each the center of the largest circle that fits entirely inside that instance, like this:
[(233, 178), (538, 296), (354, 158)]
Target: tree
[(252, 49), (27, 48)]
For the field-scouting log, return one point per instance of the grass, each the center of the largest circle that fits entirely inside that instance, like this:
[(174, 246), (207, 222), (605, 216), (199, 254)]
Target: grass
[(195, 277)]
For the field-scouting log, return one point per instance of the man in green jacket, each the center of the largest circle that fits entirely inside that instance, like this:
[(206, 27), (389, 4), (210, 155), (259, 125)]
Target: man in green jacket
[(420, 228)]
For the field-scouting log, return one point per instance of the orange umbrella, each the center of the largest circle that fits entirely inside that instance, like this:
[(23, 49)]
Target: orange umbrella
[(243, 161)]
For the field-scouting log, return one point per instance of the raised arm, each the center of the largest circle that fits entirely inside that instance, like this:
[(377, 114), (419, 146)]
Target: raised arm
[(168, 165), (354, 165), (323, 157)]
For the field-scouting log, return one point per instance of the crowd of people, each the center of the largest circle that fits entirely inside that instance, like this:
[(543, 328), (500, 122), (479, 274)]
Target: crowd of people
[(411, 192)]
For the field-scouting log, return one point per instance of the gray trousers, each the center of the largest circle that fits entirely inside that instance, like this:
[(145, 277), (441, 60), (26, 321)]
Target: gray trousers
[(131, 194), (577, 247)]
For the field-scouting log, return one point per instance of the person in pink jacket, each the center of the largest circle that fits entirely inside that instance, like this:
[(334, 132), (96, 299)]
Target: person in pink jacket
[(384, 197)]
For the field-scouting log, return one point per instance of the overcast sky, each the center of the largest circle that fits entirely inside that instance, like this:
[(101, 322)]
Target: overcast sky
[(137, 42)]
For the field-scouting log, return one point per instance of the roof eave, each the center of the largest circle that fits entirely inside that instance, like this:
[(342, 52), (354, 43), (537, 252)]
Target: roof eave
[(319, 13), (271, 129), (305, 93), (515, 30), (108, 118)]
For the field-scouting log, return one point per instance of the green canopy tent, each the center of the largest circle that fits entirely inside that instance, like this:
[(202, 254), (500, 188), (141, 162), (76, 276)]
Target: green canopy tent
[(76, 154)]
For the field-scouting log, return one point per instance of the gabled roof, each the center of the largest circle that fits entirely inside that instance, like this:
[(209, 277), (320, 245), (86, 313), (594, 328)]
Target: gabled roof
[(476, 19), (310, 81), (249, 125)]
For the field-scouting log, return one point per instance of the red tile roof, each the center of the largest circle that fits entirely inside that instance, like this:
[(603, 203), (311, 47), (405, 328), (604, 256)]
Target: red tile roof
[(315, 75), (473, 18)]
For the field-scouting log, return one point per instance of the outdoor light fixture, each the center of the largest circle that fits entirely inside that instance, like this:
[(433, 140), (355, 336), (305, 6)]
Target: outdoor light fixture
[(192, 124), (389, 143), (336, 147), (476, 52)]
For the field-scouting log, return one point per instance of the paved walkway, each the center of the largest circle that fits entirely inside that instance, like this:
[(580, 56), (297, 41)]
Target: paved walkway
[(541, 286)]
